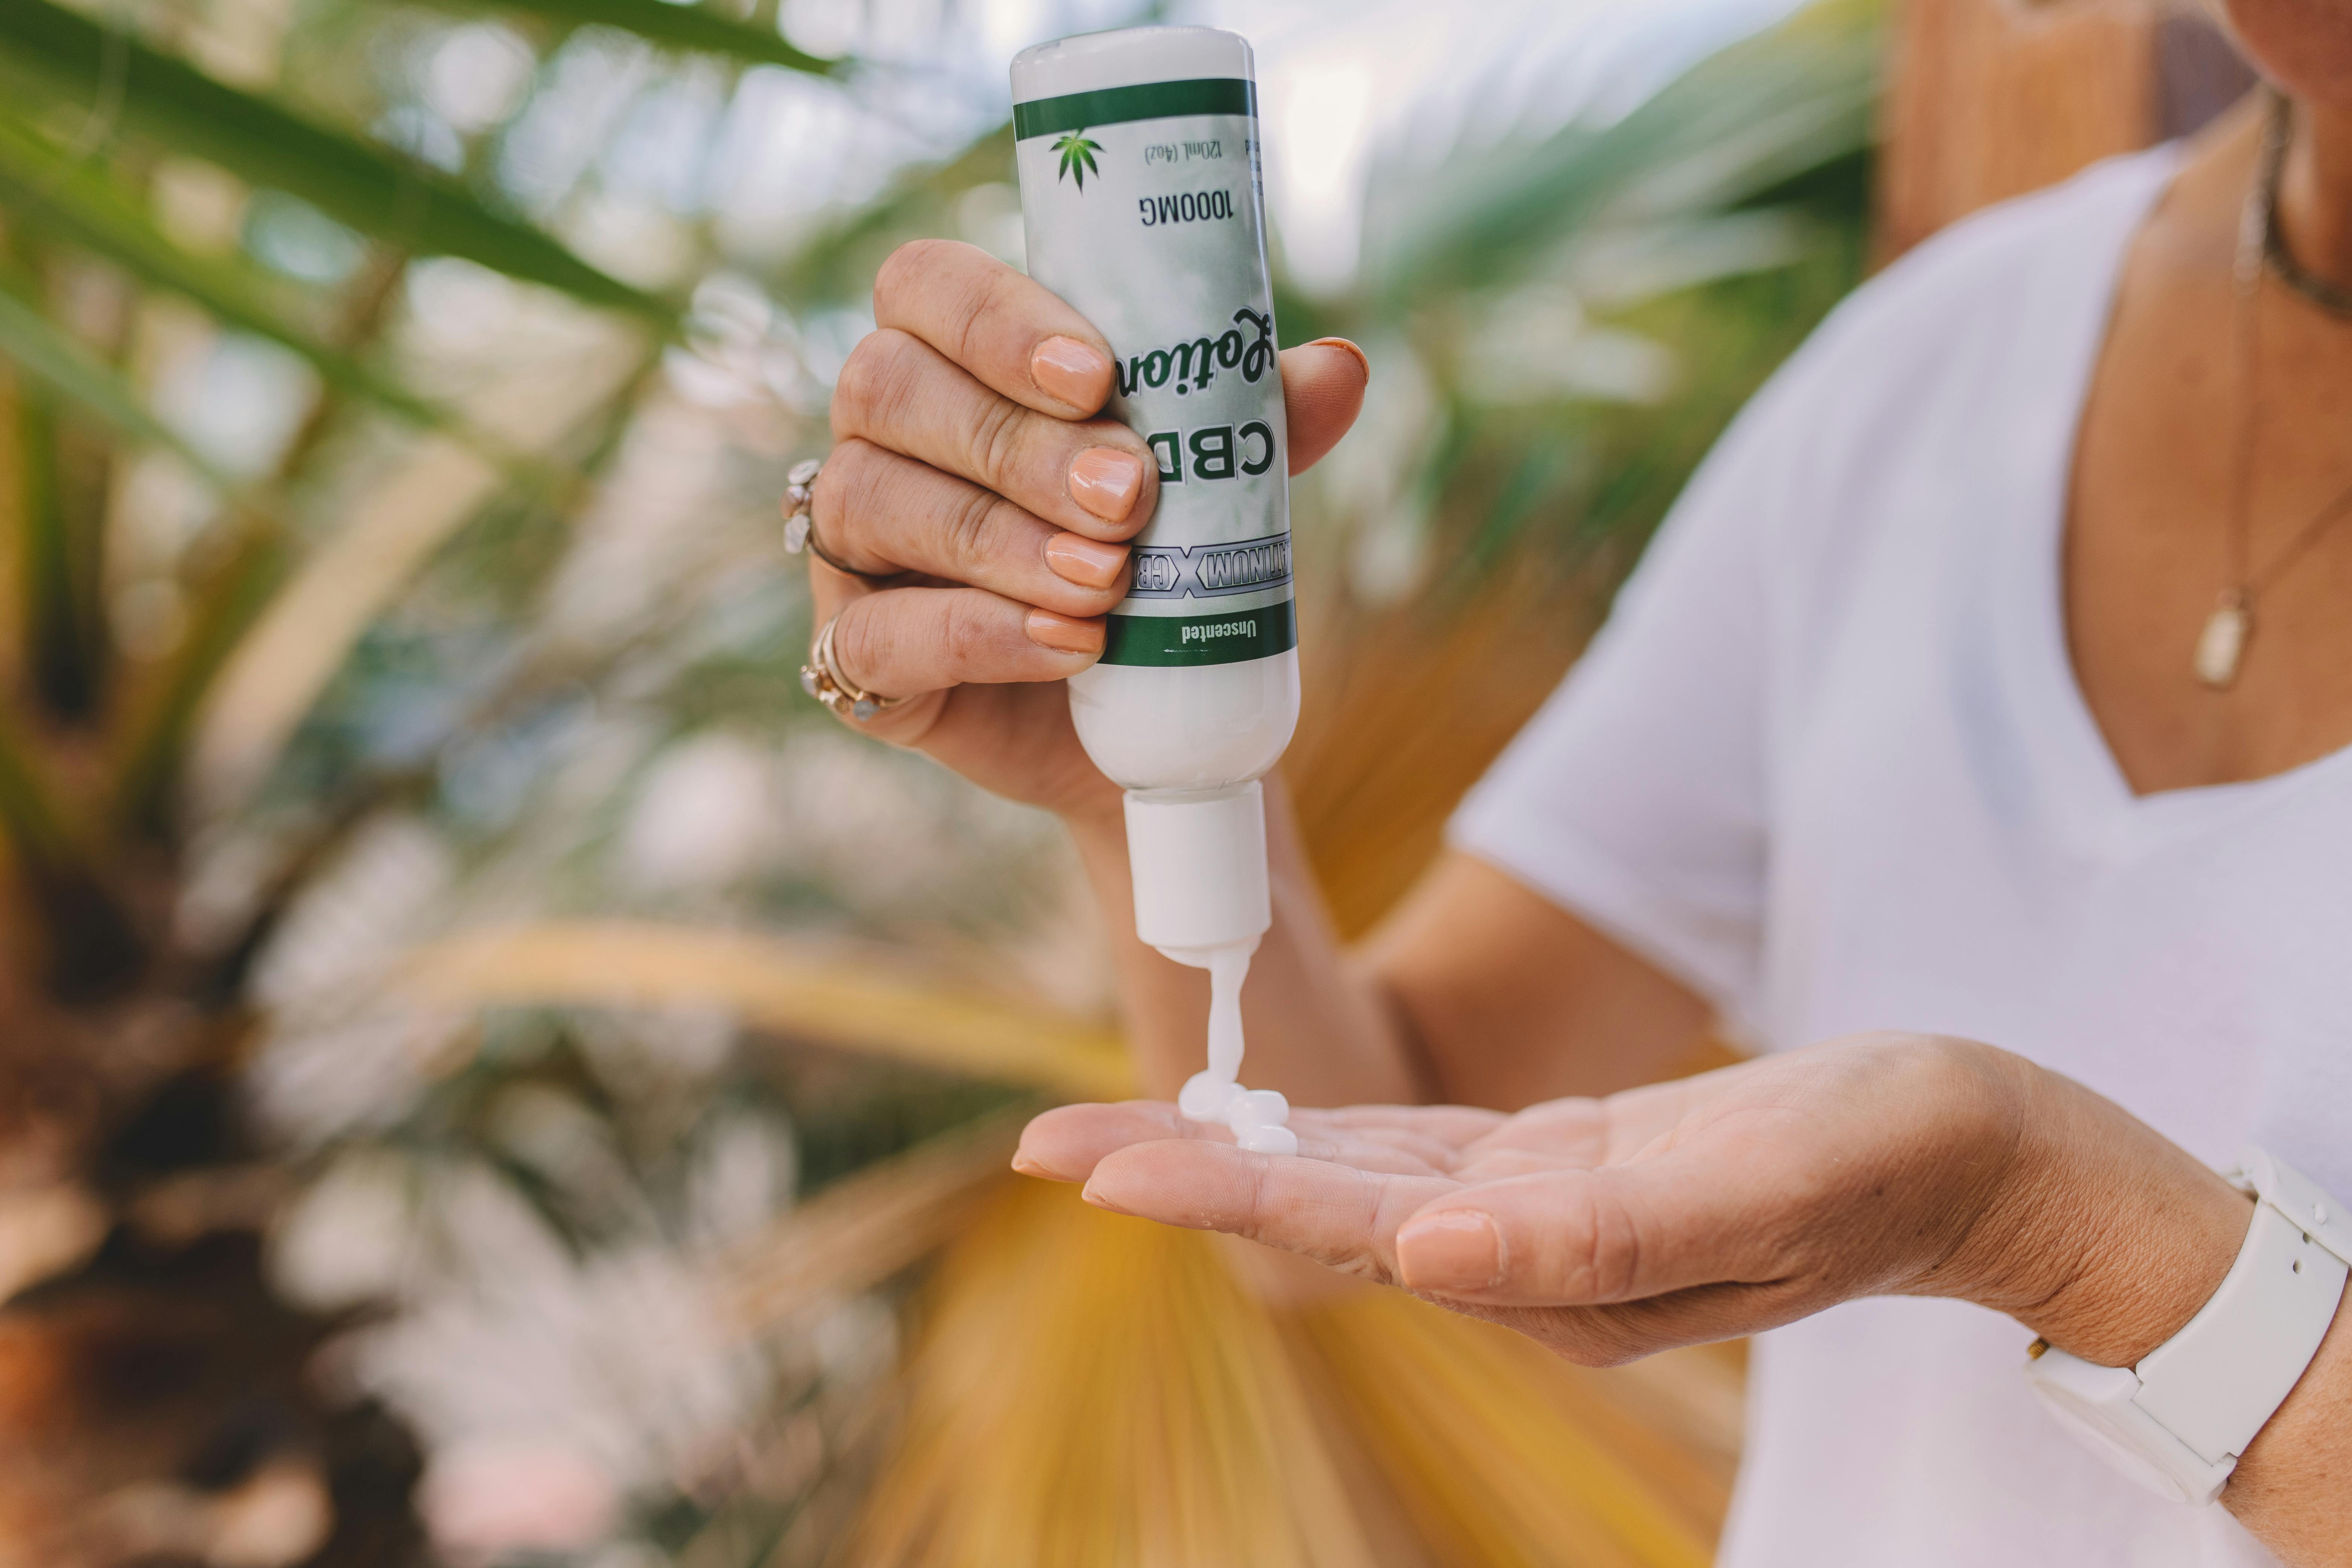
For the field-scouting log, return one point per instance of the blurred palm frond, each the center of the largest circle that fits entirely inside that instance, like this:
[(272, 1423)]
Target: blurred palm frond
[(296, 644), (776, 985), (1408, 709), (866, 1227), (1093, 1389), (64, 196), (1570, 1473), (1764, 111), (37, 347), (60, 59), (680, 26)]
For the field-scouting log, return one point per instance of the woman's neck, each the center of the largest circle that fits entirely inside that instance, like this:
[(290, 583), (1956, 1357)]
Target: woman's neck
[(2314, 211)]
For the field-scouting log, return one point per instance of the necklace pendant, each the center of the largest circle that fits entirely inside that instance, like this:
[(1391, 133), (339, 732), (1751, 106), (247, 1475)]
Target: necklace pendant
[(2223, 641)]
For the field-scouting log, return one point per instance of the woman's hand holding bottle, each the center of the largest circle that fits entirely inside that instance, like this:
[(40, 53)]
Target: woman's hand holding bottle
[(972, 469)]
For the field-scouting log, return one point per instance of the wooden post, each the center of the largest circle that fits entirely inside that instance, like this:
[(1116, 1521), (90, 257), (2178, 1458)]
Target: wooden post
[(1989, 99)]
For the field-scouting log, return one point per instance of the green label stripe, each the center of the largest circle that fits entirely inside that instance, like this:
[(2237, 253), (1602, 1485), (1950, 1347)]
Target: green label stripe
[(1202, 640), (1116, 105)]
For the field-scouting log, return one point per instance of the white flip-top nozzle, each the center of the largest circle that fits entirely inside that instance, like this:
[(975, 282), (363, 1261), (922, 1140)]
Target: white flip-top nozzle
[(1199, 860)]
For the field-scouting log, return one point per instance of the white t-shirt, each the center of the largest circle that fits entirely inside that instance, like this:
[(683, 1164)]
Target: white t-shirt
[(1828, 763)]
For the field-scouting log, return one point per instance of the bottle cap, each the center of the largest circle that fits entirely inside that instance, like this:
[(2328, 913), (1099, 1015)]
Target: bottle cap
[(1199, 860)]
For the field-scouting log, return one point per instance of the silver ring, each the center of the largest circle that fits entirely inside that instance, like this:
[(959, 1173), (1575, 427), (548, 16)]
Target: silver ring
[(800, 520)]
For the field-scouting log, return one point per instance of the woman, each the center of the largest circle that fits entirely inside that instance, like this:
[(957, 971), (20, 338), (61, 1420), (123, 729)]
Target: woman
[(1993, 680)]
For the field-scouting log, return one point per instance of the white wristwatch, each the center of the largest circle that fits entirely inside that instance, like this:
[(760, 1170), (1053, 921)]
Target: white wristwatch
[(2178, 1420)]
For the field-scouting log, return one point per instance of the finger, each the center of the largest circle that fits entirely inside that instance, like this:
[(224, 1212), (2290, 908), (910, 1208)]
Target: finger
[(905, 724), (1093, 476), (1017, 336), (902, 641), (1322, 391), (832, 591), (880, 512), (1582, 1238), (1064, 1145), (1338, 1216)]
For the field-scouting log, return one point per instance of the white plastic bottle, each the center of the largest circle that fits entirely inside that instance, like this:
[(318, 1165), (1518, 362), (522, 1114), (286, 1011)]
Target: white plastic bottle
[(1140, 191)]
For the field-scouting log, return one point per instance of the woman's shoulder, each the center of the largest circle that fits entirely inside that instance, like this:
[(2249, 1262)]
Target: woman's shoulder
[(1977, 341), (1940, 392), (1992, 268)]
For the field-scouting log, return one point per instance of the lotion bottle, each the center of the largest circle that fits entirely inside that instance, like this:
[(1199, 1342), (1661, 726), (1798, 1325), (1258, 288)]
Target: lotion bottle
[(1141, 200)]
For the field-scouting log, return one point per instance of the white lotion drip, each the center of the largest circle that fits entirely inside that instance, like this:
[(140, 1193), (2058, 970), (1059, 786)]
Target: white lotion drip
[(1256, 1116)]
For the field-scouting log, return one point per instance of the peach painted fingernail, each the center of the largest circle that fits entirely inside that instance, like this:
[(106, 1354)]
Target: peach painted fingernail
[(1072, 371), (1063, 634), (1089, 563), (1362, 358), (1455, 1249), (1106, 481)]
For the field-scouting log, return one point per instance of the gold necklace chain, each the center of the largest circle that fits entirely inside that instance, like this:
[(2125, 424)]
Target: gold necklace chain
[(2221, 646)]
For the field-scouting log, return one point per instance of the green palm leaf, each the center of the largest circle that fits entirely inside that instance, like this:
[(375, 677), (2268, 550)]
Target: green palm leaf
[(55, 55), (156, 738), (76, 200), (61, 584), (1761, 111), (41, 349), (838, 264), (680, 26)]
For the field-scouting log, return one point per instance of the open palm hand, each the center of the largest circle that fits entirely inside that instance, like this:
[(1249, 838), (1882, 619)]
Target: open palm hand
[(1682, 1212)]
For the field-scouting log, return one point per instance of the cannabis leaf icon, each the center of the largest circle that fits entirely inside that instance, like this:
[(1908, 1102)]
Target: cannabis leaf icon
[(1078, 155)]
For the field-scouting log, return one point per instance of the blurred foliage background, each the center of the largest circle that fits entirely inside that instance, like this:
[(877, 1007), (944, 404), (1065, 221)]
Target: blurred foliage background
[(489, 1072)]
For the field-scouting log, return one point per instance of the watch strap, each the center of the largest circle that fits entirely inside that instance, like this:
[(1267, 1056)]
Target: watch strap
[(2095, 1403), (2215, 1382), (2295, 1195), (2178, 1419)]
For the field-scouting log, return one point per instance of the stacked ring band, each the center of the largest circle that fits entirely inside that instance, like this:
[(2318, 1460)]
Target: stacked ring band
[(822, 680)]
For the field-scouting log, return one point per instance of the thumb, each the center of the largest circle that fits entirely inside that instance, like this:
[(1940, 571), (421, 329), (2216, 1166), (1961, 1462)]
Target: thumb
[(1586, 1238), (1323, 388)]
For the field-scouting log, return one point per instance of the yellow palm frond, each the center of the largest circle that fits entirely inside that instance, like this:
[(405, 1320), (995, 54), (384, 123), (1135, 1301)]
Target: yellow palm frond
[(776, 985), (1501, 1452), (866, 1227), (1095, 1390), (287, 657), (1404, 710)]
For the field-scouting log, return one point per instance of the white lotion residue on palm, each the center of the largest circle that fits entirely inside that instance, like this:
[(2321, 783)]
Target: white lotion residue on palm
[(1256, 1116)]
